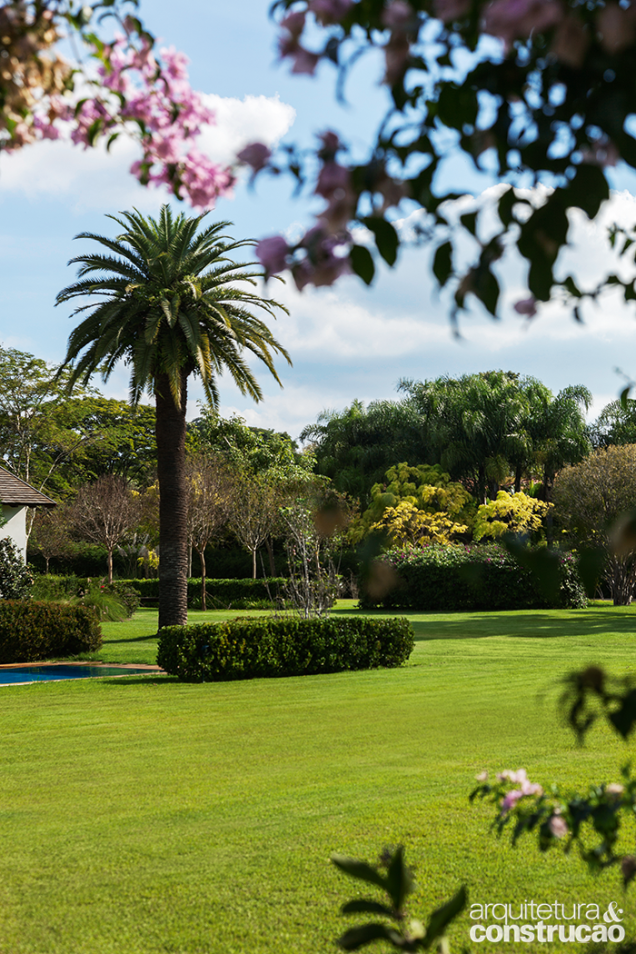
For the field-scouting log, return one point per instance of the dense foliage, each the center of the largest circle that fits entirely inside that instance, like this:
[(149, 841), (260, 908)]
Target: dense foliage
[(595, 505), (265, 647), (482, 577), (15, 578), (525, 94), (35, 630)]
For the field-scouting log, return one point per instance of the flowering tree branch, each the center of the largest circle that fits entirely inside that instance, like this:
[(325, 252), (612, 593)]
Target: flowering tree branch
[(132, 89), (531, 91)]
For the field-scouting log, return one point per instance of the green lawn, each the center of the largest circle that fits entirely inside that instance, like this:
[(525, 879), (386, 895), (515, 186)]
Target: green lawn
[(144, 815)]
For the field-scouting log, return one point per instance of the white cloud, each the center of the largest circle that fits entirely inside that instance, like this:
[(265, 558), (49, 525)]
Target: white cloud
[(95, 179), (241, 121)]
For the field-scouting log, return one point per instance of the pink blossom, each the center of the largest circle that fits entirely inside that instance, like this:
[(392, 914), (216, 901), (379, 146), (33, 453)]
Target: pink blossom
[(449, 10), (604, 153), (294, 23), (511, 800), (330, 145), (305, 62), (256, 155), (558, 826), (482, 777), (571, 41), (526, 306), (512, 19), (272, 254), (399, 15), (396, 56), (331, 178), (329, 11)]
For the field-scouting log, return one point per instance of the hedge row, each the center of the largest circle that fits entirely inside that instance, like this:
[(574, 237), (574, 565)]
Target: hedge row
[(30, 631), (221, 594), (485, 577), (246, 649)]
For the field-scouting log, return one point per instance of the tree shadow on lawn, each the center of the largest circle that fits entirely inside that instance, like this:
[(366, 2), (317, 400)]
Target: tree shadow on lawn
[(533, 625)]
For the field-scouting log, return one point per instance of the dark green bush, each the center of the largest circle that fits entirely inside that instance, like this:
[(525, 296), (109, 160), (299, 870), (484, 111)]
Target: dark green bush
[(221, 594), (32, 630), (249, 648), (477, 577)]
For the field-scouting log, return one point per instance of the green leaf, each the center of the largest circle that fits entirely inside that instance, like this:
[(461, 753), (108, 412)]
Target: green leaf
[(624, 396), (486, 288), (506, 202), (362, 263), (442, 916), (386, 238), (469, 221), (357, 937), (588, 189), (359, 870), (443, 263), (364, 906)]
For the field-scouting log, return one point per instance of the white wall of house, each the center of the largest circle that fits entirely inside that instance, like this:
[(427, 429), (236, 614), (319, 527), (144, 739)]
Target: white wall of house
[(15, 527)]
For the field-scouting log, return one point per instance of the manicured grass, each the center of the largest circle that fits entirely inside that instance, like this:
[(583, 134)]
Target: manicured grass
[(144, 815)]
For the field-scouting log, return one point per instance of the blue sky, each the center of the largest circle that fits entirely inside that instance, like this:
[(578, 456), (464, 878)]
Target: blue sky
[(347, 342)]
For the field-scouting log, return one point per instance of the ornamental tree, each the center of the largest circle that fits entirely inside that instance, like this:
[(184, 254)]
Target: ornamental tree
[(531, 92), (127, 86), (594, 503)]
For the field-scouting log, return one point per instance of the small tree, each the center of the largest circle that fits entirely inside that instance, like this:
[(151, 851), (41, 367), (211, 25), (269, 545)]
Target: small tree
[(210, 494), (50, 535), (313, 529), (254, 512), (105, 512), (15, 578), (594, 501)]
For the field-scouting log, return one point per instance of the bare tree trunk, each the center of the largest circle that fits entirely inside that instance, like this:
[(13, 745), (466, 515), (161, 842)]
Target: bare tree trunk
[(270, 553), (173, 530), (110, 564), (204, 604), (254, 563)]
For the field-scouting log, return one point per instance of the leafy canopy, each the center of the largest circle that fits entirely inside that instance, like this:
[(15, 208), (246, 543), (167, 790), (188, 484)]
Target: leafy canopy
[(167, 300)]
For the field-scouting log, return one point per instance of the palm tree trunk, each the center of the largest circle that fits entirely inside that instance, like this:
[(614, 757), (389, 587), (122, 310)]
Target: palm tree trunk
[(173, 512)]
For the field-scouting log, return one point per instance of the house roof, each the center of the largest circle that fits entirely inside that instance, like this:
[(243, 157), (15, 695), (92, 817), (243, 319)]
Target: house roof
[(17, 493)]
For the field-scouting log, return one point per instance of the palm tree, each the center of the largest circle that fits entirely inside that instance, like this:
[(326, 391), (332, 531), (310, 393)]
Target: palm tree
[(170, 303)]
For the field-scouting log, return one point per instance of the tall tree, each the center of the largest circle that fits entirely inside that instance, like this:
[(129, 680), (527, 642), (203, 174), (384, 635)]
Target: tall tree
[(170, 303), (356, 447), (474, 425)]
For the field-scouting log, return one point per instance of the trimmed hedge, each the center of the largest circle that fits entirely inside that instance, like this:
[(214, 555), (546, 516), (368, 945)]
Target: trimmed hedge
[(30, 631), (221, 594), (477, 577), (266, 647)]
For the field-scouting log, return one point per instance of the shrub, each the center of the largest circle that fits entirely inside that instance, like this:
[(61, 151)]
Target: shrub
[(15, 578), (221, 594), (447, 578), (114, 601), (34, 630), (245, 649)]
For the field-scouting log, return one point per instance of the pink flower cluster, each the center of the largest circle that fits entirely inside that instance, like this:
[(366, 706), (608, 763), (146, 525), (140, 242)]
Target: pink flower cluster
[(150, 98), (322, 254), (526, 787)]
